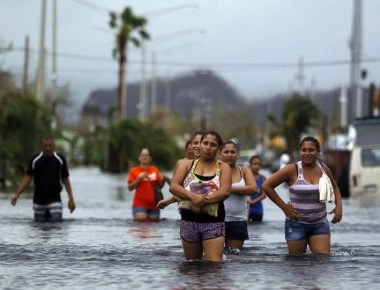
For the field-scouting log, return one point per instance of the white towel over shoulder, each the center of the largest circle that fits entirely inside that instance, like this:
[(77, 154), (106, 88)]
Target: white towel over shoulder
[(326, 191)]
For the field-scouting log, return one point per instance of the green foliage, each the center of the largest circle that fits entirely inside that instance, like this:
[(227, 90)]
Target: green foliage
[(170, 122), (94, 146), (230, 124), (23, 121), (117, 148), (297, 118), (126, 23)]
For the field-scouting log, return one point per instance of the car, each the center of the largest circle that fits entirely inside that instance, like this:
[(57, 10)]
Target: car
[(364, 169), (244, 156)]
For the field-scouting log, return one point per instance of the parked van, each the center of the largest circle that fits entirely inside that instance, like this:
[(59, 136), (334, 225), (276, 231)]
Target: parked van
[(365, 159), (244, 156)]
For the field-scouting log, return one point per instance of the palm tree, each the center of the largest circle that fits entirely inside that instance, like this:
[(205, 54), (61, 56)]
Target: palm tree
[(125, 24), (298, 116)]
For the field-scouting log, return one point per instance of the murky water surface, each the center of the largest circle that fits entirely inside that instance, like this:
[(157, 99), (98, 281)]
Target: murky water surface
[(100, 247)]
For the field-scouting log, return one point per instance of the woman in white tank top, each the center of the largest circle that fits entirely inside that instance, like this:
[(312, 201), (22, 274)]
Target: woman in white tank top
[(243, 184)]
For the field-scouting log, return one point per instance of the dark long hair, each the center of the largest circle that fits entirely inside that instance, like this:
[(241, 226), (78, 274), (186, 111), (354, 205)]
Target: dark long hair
[(230, 142), (254, 157), (313, 140), (216, 135)]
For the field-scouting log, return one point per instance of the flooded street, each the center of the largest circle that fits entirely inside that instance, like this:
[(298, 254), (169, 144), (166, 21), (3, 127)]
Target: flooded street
[(100, 247)]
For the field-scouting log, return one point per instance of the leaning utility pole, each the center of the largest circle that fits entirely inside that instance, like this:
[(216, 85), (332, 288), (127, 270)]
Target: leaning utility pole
[(356, 100)]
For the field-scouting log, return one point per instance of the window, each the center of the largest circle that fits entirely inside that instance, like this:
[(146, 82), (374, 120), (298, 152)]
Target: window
[(370, 157)]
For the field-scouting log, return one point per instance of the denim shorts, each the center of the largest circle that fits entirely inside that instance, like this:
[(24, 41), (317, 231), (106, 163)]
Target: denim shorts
[(145, 210), (296, 231), (237, 230), (192, 232)]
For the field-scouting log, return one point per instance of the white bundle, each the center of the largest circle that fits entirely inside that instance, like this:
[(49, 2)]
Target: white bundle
[(326, 190)]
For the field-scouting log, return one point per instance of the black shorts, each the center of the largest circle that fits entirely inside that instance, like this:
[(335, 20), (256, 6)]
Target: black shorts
[(237, 230)]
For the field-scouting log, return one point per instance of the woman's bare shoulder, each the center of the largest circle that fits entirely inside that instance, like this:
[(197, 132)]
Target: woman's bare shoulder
[(286, 174), (246, 170), (184, 162)]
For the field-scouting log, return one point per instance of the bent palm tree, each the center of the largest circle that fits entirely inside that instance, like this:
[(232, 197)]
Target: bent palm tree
[(126, 24)]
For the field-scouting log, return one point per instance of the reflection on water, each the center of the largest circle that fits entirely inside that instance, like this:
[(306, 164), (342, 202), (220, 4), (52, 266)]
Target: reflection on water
[(144, 230), (99, 246), (47, 231), (120, 194), (202, 275)]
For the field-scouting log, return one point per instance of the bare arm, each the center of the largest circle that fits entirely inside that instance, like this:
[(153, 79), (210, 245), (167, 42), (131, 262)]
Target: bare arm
[(250, 184), (172, 199), (166, 179), (71, 203), (257, 199), (163, 179), (132, 185), (23, 185), (176, 187), (167, 201), (225, 185), (285, 174)]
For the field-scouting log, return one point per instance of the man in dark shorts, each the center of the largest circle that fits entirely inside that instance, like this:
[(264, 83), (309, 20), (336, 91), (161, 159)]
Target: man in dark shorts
[(49, 170)]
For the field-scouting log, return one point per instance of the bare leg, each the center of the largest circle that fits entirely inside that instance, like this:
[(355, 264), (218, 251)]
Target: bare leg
[(140, 216), (297, 247), (213, 249), (235, 244), (192, 251), (154, 217), (320, 244)]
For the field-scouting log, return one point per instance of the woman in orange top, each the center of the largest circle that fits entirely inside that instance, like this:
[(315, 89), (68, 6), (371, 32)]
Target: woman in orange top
[(143, 178)]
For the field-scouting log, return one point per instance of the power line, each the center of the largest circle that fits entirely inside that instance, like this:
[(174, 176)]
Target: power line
[(95, 7), (158, 12), (169, 9), (229, 65)]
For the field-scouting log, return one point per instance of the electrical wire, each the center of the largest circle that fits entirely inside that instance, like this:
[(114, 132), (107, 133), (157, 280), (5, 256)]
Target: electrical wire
[(227, 65)]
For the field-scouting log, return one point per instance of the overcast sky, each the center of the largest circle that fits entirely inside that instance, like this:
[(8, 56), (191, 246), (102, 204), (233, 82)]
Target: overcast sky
[(228, 36)]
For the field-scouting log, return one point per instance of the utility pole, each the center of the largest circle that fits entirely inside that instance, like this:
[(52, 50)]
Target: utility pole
[(142, 103), (312, 88), (167, 92), (25, 84), (41, 55), (300, 76), (153, 83), (343, 108), (54, 60), (356, 55)]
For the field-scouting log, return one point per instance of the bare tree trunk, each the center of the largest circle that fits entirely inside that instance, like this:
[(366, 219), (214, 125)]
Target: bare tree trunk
[(121, 91), (121, 102)]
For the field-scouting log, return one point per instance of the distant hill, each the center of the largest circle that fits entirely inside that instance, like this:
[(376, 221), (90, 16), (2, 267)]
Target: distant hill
[(194, 91), (182, 94)]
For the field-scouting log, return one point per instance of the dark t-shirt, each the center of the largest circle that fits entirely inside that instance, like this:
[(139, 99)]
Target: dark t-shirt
[(48, 173)]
